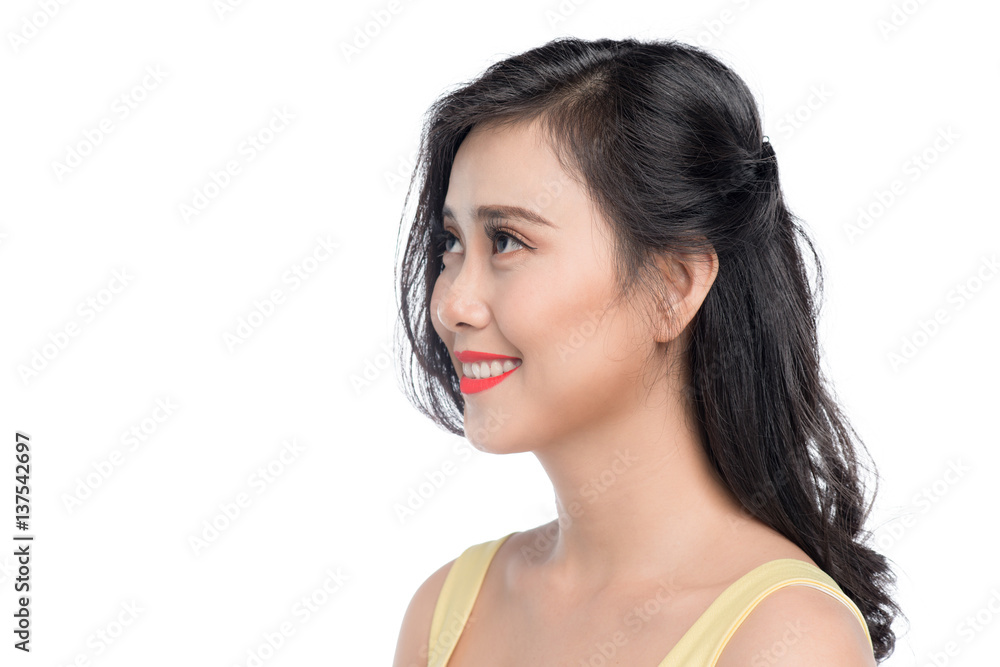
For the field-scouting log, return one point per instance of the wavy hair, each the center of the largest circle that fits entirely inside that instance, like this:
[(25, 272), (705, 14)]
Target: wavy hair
[(668, 143)]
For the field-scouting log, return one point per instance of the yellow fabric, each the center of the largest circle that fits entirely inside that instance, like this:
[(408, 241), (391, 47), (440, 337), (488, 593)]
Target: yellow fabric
[(700, 646)]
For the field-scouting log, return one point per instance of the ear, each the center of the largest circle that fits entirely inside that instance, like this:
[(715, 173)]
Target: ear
[(687, 279)]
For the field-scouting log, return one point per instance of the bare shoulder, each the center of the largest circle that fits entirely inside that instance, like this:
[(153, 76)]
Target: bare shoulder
[(800, 626), (415, 632)]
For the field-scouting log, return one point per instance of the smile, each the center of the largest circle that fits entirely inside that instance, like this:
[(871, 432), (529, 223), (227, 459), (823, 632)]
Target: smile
[(483, 375)]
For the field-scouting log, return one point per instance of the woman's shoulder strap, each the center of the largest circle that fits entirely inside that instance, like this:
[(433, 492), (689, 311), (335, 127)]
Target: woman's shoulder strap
[(457, 597), (703, 643)]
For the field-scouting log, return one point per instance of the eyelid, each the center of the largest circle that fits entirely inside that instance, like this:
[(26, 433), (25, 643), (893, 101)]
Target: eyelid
[(493, 229)]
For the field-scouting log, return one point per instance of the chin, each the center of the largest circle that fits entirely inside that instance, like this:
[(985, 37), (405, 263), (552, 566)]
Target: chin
[(499, 441), (493, 444), (492, 430)]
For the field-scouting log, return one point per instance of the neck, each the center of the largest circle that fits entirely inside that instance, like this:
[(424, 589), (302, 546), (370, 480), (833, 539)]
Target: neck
[(635, 499)]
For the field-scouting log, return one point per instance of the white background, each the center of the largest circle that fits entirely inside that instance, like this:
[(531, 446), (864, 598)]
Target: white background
[(847, 104)]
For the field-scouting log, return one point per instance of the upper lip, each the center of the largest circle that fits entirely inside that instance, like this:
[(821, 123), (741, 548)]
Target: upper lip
[(471, 356)]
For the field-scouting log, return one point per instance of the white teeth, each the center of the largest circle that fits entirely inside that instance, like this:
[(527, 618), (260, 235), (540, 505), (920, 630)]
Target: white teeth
[(488, 369)]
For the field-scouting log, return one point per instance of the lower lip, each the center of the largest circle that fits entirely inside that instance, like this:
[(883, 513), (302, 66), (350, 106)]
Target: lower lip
[(470, 385)]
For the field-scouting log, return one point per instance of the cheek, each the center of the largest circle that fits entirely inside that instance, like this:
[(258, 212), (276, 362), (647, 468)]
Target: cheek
[(562, 324)]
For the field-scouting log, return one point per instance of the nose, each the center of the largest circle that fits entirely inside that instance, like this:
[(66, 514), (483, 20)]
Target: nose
[(461, 302)]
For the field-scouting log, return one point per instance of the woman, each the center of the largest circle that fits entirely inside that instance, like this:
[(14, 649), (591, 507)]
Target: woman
[(602, 271)]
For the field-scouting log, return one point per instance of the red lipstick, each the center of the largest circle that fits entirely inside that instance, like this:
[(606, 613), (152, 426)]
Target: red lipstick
[(471, 356), (471, 385)]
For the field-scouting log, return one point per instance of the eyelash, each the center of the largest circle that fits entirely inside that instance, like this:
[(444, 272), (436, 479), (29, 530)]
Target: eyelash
[(492, 228)]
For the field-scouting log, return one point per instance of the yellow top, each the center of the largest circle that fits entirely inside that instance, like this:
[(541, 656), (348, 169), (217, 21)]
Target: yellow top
[(700, 646)]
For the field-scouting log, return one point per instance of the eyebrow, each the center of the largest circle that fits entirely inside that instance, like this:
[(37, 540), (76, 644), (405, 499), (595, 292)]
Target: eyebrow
[(502, 211)]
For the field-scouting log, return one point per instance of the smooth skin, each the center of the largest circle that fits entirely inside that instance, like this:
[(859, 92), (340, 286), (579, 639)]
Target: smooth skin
[(642, 514)]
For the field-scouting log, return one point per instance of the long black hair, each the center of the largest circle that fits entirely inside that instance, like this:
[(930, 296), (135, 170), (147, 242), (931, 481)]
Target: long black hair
[(668, 142)]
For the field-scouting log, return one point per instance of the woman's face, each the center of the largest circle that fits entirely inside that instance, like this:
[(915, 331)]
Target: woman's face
[(540, 293)]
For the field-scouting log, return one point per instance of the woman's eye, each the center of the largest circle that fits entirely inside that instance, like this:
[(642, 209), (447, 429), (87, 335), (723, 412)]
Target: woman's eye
[(501, 241), (501, 235)]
